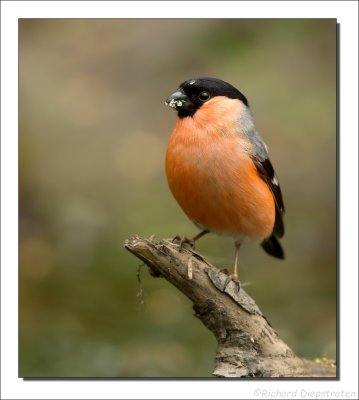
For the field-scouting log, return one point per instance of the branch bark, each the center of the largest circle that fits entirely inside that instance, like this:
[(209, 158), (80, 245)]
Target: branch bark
[(248, 346)]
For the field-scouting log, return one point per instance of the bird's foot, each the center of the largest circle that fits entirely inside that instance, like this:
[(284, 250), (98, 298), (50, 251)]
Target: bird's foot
[(231, 277), (234, 278), (183, 242)]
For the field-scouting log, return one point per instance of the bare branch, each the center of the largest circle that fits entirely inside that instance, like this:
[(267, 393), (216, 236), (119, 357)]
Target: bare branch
[(247, 344)]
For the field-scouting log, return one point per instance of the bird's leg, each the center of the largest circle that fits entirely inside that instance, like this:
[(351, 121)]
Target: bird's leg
[(190, 242), (234, 275), (199, 235)]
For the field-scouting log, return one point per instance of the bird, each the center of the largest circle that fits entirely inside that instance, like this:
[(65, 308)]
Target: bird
[(218, 168)]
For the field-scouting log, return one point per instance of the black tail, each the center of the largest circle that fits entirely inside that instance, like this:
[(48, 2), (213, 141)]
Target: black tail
[(273, 247)]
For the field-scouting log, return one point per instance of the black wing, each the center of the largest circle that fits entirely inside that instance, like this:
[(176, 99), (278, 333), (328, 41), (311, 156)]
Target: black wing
[(266, 172)]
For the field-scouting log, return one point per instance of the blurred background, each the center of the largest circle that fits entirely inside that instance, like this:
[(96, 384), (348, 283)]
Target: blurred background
[(93, 133)]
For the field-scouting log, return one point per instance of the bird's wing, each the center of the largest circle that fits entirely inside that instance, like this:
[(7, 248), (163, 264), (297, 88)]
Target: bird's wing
[(264, 167), (266, 172)]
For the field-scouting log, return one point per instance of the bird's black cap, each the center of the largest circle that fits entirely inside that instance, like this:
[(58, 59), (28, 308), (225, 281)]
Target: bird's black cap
[(193, 93)]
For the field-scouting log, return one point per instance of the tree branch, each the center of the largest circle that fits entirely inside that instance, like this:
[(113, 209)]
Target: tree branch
[(247, 344)]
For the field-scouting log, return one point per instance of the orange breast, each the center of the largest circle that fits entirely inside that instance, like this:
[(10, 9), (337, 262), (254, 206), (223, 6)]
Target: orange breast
[(215, 181)]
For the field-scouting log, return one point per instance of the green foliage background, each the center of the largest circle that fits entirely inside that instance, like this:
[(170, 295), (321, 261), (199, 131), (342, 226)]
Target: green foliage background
[(93, 132)]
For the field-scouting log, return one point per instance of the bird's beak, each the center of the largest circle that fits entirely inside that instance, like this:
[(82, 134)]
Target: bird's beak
[(177, 100)]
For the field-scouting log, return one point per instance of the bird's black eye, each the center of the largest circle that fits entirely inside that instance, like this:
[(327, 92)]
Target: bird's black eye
[(204, 96)]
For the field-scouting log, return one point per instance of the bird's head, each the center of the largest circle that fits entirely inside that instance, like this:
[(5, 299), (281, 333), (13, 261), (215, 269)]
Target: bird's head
[(192, 94)]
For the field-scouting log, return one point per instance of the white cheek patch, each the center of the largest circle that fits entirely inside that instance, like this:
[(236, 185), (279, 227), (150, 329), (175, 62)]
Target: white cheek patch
[(275, 181)]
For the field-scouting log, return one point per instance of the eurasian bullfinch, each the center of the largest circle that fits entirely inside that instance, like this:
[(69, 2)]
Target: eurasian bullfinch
[(218, 168)]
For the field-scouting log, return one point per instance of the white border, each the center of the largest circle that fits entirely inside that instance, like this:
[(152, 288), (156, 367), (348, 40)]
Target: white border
[(346, 13)]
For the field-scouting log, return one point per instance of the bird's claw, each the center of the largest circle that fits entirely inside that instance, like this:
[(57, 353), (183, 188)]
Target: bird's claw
[(231, 278), (183, 242)]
